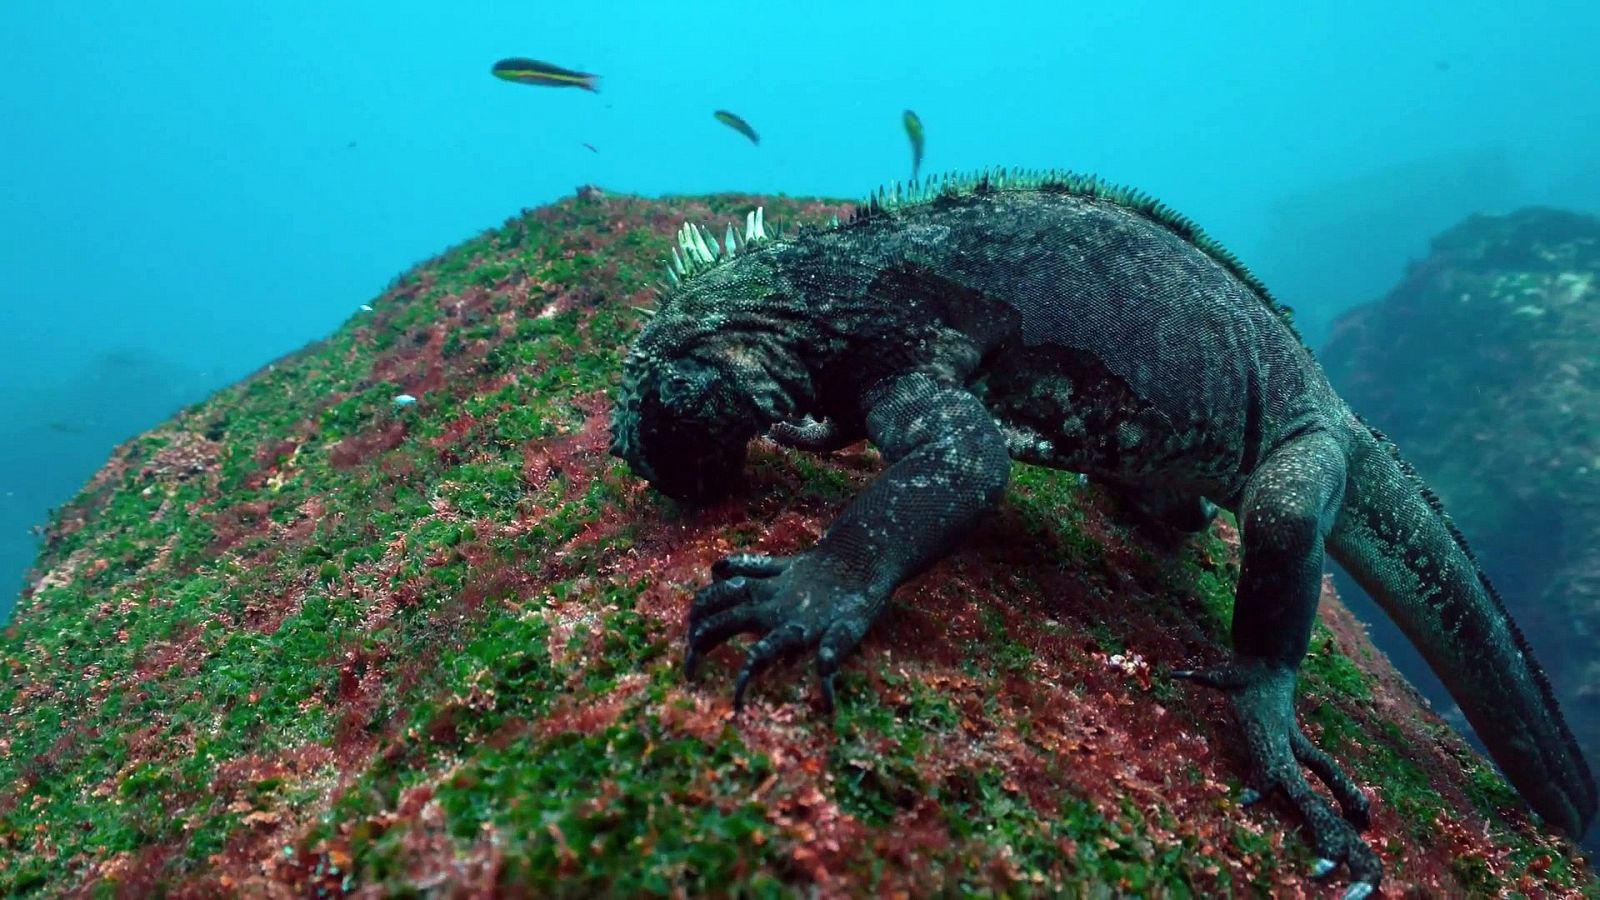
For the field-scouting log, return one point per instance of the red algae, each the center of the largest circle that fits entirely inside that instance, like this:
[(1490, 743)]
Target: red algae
[(594, 714), (359, 448)]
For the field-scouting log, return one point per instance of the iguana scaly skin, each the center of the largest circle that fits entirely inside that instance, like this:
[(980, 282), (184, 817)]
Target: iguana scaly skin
[(1058, 321)]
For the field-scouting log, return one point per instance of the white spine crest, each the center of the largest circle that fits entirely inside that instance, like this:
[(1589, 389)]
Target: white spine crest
[(698, 249)]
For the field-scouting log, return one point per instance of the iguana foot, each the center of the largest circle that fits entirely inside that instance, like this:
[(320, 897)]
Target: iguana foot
[(794, 600), (1263, 699), (818, 436)]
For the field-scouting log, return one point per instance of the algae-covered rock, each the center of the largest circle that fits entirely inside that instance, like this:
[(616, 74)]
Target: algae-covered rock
[(300, 640), (1484, 365)]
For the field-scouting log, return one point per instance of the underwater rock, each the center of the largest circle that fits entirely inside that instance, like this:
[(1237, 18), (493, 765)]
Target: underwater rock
[(440, 651), (1482, 364)]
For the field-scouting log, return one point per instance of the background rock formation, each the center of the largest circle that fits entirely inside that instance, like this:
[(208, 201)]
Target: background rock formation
[(300, 639)]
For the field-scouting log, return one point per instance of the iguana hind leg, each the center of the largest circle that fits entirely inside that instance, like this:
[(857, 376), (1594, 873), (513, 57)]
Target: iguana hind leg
[(1288, 506)]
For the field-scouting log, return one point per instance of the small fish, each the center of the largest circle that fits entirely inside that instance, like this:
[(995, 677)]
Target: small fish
[(737, 124), (914, 132), (591, 148), (532, 71), (366, 307), (404, 400)]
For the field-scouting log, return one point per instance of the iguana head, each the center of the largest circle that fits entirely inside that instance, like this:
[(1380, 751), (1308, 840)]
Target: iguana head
[(707, 374), (682, 425)]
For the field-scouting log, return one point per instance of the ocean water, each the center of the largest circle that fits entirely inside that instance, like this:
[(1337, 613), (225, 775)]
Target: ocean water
[(189, 190)]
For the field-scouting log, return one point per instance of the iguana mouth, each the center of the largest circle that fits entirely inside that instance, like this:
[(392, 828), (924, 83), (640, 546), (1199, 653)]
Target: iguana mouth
[(687, 459)]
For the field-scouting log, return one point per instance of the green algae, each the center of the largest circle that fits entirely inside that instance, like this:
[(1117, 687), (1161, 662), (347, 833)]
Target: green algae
[(1050, 504), (596, 813)]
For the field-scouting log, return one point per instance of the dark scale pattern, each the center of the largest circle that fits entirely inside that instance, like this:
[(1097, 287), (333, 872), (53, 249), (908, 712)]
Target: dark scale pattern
[(1134, 301), (1078, 326), (942, 189)]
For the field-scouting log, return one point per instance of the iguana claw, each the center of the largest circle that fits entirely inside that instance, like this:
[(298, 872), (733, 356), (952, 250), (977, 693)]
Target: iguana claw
[(1263, 698), (1359, 890), (816, 435), (794, 601)]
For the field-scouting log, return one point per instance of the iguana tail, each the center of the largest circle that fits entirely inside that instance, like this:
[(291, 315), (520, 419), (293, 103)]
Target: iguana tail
[(1396, 542)]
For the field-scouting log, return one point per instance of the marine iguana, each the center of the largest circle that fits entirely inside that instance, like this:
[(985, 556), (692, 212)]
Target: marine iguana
[(1057, 320)]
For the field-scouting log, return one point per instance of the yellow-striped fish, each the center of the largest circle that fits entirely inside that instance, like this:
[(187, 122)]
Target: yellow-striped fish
[(737, 124), (914, 131), (532, 71)]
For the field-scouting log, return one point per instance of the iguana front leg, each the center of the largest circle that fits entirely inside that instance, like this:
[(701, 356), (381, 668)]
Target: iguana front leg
[(948, 465), (1289, 504)]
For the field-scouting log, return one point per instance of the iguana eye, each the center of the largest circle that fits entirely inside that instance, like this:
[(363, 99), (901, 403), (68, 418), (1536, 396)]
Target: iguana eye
[(675, 388), (688, 390)]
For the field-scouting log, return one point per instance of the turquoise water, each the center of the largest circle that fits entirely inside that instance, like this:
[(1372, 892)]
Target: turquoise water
[(190, 190)]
